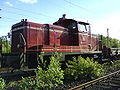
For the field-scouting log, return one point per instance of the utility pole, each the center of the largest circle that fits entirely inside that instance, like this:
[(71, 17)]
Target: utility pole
[(0, 10), (108, 43), (0, 41)]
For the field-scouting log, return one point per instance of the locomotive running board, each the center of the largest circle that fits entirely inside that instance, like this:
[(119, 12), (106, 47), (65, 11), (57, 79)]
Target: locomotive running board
[(69, 53)]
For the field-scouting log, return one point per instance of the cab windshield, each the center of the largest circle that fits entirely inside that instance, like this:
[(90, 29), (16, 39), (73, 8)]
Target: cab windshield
[(83, 27)]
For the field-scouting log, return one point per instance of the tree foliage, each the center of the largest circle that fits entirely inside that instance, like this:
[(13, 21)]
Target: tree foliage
[(6, 46), (114, 43)]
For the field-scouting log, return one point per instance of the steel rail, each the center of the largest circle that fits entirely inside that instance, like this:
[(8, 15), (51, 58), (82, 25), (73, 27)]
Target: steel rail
[(84, 85)]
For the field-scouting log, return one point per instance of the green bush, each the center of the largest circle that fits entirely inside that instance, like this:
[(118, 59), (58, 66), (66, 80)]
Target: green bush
[(52, 76), (2, 84), (44, 79), (83, 69), (27, 83), (111, 66), (6, 47)]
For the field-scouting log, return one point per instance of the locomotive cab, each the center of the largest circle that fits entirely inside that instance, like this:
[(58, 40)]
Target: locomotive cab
[(75, 28), (73, 25), (70, 24)]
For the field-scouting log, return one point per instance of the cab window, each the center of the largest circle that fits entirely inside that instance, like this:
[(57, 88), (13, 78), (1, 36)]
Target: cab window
[(72, 25), (83, 27)]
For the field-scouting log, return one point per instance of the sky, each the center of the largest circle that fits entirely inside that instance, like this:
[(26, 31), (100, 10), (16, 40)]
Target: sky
[(101, 14)]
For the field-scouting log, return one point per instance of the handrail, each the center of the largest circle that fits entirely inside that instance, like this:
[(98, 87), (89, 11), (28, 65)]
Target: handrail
[(24, 60)]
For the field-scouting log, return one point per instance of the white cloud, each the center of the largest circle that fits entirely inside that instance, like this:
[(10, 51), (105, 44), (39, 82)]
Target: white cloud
[(9, 4), (112, 22), (29, 1)]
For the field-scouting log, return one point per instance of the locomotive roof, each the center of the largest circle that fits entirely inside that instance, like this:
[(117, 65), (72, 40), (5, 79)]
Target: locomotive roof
[(80, 22), (33, 24)]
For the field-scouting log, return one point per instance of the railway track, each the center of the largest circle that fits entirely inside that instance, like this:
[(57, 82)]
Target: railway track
[(108, 82), (8, 76)]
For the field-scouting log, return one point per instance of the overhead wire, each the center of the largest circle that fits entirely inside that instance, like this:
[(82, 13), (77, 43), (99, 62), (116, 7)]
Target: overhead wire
[(57, 5), (20, 14), (31, 12), (27, 16), (85, 9), (36, 13), (11, 19)]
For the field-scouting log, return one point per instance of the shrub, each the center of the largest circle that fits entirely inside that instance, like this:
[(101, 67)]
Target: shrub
[(27, 83), (111, 66), (44, 79), (2, 84), (83, 69), (52, 76)]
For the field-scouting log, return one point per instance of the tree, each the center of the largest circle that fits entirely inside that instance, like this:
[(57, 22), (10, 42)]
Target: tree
[(114, 43), (6, 46)]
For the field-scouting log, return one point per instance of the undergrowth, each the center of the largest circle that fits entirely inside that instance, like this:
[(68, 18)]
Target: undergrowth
[(50, 76), (80, 68), (44, 79)]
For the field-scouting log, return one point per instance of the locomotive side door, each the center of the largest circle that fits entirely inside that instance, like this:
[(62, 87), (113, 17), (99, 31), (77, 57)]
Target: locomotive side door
[(73, 33), (85, 37), (46, 35)]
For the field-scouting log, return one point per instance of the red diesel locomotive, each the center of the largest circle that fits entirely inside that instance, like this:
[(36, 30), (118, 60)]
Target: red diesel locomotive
[(66, 36)]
